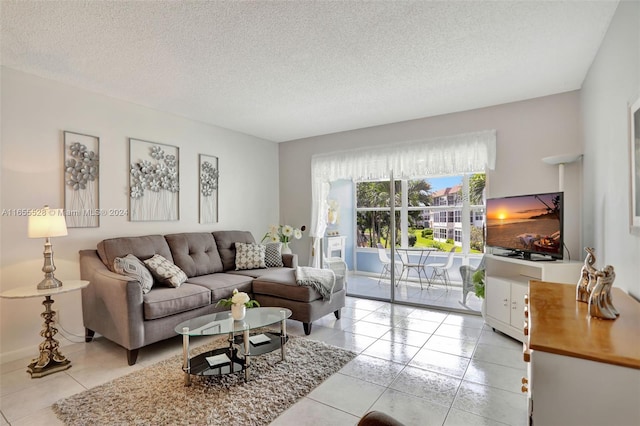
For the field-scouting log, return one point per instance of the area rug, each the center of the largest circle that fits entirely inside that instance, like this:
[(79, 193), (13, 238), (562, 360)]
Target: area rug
[(156, 395)]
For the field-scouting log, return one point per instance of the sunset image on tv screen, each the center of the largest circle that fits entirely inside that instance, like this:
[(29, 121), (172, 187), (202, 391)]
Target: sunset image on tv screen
[(530, 223)]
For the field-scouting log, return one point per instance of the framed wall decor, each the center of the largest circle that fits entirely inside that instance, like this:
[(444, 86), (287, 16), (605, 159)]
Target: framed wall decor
[(154, 184), (81, 180), (208, 189), (634, 148)]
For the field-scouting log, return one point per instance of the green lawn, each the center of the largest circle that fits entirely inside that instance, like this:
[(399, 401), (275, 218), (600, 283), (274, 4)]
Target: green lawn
[(425, 242)]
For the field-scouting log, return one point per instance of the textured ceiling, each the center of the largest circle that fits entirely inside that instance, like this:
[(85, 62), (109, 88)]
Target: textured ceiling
[(289, 70)]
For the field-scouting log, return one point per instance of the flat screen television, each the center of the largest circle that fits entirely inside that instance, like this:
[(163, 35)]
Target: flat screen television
[(528, 226)]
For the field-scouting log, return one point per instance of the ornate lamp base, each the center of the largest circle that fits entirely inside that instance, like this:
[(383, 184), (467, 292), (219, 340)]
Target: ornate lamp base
[(50, 359)]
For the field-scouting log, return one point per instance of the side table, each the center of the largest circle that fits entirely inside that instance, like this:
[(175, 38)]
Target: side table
[(50, 359)]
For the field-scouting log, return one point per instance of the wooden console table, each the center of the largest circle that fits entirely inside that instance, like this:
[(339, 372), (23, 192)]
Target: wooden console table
[(582, 370), (50, 359)]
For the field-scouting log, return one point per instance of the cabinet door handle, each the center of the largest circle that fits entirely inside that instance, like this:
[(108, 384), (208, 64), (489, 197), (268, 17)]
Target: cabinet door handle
[(526, 353)]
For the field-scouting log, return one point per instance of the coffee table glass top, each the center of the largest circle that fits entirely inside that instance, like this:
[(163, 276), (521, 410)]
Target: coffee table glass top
[(223, 322)]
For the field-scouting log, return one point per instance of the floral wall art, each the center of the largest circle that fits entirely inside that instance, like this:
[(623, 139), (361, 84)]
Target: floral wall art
[(208, 188), (81, 170), (153, 181)]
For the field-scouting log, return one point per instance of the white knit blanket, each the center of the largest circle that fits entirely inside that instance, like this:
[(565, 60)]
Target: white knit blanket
[(322, 280)]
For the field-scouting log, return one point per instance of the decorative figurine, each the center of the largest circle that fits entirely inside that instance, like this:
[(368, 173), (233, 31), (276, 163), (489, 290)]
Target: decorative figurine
[(587, 277), (600, 303), (594, 288)]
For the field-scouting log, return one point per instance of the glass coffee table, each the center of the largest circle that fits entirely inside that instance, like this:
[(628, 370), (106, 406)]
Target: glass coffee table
[(237, 356)]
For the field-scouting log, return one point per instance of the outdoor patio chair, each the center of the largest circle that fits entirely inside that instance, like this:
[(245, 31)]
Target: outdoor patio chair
[(441, 270), (386, 264), (467, 271)]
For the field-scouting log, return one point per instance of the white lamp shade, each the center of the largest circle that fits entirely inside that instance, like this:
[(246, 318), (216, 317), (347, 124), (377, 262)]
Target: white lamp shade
[(562, 159), (47, 222)]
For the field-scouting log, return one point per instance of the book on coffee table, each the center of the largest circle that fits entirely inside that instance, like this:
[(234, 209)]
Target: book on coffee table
[(216, 360), (259, 339)]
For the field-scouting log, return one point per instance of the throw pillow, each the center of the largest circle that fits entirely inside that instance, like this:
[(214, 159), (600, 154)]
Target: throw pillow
[(249, 256), (273, 255), (165, 271), (131, 266)]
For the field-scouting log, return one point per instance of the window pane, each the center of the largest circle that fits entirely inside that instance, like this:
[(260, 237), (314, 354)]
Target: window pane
[(434, 214), (373, 228), (376, 194)]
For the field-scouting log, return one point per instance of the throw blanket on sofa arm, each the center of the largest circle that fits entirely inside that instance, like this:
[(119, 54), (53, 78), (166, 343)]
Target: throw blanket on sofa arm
[(322, 280)]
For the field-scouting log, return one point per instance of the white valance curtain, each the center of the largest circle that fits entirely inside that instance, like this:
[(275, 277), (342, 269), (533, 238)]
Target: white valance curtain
[(449, 155)]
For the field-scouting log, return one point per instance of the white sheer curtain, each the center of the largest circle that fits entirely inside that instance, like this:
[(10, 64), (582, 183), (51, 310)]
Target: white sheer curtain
[(464, 153)]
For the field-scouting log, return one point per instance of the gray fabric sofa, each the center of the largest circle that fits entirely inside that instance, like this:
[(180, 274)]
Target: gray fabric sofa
[(114, 305)]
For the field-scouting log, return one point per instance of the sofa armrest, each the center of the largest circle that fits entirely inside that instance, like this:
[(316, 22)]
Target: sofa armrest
[(111, 303), (290, 260)]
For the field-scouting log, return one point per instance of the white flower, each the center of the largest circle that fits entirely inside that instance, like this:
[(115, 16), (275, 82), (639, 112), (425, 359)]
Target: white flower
[(136, 192), (287, 230), (283, 233), (239, 297)]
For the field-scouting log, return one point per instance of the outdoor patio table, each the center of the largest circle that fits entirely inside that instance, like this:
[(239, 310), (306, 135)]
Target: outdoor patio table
[(407, 264)]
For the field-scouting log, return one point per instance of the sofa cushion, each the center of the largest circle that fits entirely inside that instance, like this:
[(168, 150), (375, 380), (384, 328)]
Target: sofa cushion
[(221, 285), (131, 266), (273, 255), (164, 301), (196, 253), (165, 271), (226, 242), (255, 273), (141, 247), (249, 256), (282, 283)]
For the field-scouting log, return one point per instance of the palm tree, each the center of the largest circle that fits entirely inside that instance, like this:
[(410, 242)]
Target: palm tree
[(477, 183)]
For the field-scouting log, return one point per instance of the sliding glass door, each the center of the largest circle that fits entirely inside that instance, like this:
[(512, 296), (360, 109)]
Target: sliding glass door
[(405, 230)]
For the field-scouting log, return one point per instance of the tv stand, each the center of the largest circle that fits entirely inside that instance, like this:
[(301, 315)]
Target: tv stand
[(507, 283), (524, 255), (532, 257)]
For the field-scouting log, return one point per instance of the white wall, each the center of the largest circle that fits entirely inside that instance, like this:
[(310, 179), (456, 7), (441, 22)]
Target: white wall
[(612, 83), (527, 131), (35, 111)]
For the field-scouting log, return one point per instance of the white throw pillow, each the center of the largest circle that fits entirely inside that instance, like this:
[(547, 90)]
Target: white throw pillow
[(132, 267), (249, 256), (273, 255), (165, 271)]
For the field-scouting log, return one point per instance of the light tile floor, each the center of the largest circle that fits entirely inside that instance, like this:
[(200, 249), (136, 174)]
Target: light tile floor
[(436, 295), (424, 367)]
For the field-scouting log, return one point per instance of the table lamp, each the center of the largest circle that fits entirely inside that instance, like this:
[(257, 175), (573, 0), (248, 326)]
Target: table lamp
[(46, 223)]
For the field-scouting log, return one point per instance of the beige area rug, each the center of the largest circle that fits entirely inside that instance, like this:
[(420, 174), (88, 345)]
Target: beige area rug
[(156, 395)]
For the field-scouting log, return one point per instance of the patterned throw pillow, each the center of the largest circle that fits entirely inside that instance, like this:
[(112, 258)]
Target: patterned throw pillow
[(132, 267), (273, 255), (165, 271), (249, 256)]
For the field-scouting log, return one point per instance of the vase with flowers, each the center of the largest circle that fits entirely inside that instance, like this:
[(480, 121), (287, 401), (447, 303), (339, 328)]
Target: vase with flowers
[(283, 234), (239, 303)]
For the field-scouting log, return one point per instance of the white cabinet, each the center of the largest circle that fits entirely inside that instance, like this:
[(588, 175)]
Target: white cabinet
[(582, 371), (335, 246), (518, 293), (507, 284), (505, 305)]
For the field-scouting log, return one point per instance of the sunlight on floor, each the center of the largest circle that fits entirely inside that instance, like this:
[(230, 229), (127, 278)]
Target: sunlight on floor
[(435, 295)]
